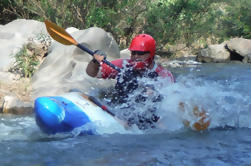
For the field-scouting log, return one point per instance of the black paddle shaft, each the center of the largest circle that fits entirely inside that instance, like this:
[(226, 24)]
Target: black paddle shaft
[(92, 53), (95, 101)]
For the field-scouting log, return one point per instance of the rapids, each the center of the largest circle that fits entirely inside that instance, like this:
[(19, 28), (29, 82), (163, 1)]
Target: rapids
[(223, 90)]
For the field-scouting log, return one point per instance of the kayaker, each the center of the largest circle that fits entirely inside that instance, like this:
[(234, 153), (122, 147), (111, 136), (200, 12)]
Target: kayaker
[(140, 65)]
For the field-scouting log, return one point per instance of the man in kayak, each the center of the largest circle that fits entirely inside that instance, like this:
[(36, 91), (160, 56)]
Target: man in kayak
[(140, 65)]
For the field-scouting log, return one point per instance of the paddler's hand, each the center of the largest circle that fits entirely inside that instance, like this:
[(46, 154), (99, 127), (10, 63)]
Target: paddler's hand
[(93, 66), (99, 56)]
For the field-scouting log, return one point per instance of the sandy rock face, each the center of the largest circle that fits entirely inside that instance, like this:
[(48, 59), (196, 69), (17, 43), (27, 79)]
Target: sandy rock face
[(14, 35), (15, 91), (63, 68)]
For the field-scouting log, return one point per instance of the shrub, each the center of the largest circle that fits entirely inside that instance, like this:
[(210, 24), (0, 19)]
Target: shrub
[(25, 63)]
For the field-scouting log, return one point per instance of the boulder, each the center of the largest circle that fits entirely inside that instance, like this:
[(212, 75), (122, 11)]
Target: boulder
[(240, 49), (12, 105), (64, 67), (214, 53), (125, 54), (14, 35)]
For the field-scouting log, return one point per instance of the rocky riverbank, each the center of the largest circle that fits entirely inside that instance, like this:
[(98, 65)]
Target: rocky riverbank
[(64, 67)]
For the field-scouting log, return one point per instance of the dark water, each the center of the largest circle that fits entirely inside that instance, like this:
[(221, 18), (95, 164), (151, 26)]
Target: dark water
[(223, 90)]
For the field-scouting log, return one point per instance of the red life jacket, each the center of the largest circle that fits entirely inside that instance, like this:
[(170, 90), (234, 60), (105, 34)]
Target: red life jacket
[(127, 80), (108, 72)]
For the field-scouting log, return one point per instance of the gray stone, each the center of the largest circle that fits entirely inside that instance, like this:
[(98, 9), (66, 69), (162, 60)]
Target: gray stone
[(12, 105), (242, 47), (64, 67), (214, 53), (14, 35), (125, 54)]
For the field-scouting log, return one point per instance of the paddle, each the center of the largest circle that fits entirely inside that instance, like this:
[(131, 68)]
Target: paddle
[(96, 102), (60, 35)]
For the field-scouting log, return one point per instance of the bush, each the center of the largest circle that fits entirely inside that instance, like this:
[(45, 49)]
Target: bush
[(25, 63), (172, 21), (31, 55), (188, 21)]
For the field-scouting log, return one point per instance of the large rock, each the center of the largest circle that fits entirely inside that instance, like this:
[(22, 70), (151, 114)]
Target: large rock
[(14, 35), (125, 54), (12, 105), (64, 67), (214, 53), (240, 49)]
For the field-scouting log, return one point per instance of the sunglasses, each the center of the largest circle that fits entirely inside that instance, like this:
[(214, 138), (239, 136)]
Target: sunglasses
[(139, 52)]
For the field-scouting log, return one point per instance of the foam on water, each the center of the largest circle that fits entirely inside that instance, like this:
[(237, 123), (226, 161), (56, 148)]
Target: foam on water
[(225, 96), (225, 107), (223, 93), (17, 127), (24, 128)]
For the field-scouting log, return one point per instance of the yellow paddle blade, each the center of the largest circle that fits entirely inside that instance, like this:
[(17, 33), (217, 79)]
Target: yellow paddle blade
[(59, 34)]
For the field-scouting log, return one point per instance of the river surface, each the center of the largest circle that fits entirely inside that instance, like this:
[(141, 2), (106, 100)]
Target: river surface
[(224, 91)]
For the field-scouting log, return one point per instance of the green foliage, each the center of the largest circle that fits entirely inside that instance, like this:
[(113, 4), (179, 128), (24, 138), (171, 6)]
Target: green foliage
[(25, 63), (181, 21), (168, 21), (237, 20), (187, 21)]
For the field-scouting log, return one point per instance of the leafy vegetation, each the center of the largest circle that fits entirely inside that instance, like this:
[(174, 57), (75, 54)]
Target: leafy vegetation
[(30, 56), (169, 21), (25, 63)]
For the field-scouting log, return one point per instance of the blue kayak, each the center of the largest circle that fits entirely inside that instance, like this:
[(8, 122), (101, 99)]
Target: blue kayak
[(71, 111)]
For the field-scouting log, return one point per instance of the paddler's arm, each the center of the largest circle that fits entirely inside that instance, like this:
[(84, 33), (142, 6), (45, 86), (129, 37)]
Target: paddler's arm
[(93, 66)]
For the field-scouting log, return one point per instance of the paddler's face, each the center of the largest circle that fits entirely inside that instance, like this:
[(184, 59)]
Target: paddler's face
[(139, 56)]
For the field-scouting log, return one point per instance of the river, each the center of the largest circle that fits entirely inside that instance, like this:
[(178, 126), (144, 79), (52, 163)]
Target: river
[(223, 90)]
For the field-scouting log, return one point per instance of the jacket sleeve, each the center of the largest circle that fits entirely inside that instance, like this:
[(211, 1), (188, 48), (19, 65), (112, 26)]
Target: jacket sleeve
[(108, 72)]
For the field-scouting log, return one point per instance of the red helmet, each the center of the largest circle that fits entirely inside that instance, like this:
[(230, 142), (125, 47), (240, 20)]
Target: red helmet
[(144, 42)]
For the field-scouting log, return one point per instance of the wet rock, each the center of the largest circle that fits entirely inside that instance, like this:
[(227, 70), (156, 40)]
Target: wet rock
[(12, 105), (13, 85)]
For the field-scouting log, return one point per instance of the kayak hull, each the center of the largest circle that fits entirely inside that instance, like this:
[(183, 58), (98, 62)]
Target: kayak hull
[(61, 114)]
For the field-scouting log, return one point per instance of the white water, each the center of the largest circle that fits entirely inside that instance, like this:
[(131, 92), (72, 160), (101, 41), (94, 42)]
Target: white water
[(222, 90), (226, 103)]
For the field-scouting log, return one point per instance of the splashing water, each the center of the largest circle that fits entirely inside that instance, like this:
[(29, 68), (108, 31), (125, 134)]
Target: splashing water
[(221, 91)]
